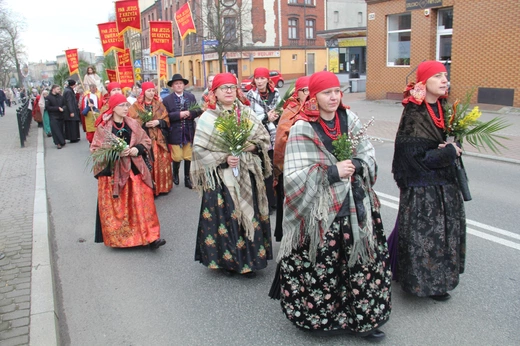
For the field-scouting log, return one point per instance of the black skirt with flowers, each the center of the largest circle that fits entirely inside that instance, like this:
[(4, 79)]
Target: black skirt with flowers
[(222, 242)]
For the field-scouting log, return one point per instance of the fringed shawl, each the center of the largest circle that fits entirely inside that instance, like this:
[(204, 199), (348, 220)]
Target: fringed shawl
[(123, 165), (311, 203), (417, 159), (206, 172), (159, 113)]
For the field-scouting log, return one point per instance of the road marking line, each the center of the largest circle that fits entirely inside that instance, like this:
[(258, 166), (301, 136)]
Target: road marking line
[(471, 231)]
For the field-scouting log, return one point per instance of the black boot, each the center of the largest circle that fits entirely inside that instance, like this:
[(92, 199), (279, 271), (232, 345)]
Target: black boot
[(176, 166), (187, 181)]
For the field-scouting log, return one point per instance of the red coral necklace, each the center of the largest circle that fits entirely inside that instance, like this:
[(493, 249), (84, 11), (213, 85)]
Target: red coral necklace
[(332, 133), (438, 121)]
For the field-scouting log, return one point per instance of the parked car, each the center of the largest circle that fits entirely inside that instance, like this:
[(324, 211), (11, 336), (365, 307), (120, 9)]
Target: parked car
[(275, 75)]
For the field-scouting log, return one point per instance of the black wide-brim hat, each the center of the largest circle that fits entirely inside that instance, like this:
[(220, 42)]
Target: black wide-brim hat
[(177, 77)]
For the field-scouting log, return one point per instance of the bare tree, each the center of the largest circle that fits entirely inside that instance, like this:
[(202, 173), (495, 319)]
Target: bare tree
[(11, 28), (223, 21)]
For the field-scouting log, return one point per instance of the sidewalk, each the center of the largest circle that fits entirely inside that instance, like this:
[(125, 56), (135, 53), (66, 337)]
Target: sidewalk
[(26, 292), (387, 114)]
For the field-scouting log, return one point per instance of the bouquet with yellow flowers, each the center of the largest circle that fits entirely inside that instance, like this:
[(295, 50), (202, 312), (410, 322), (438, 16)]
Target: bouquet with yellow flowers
[(464, 124), (144, 115), (233, 128), (109, 152)]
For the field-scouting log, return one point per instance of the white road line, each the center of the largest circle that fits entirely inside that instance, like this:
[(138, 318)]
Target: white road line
[(474, 232)]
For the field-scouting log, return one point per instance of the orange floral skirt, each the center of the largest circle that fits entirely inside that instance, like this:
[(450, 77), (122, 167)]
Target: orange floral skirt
[(162, 169), (130, 219)]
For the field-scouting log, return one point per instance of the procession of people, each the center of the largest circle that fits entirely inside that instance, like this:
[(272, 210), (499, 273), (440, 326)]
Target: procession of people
[(333, 268)]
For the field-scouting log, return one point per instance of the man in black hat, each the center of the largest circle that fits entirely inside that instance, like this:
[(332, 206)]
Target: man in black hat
[(182, 111), (72, 118)]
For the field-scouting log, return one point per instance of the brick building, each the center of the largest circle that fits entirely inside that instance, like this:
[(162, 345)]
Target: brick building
[(477, 39), (277, 34)]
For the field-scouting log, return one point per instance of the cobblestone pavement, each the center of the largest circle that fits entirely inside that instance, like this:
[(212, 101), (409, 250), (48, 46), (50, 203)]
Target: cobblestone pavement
[(17, 188)]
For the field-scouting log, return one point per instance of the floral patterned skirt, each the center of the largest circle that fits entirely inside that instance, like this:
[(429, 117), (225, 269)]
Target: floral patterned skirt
[(432, 239), (130, 219), (222, 242), (330, 295)]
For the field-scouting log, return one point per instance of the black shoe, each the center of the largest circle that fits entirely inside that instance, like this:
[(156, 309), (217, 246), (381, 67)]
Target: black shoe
[(157, 243), (187, 183), (441, 297), (59, 146), (250, 275), (375, 335)]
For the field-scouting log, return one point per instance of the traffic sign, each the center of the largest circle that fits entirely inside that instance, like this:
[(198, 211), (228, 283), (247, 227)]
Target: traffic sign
[(210, 42), (137, 70), (137, 63)]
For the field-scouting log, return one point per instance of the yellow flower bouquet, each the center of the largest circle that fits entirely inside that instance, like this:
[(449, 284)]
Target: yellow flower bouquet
[(463, 124)]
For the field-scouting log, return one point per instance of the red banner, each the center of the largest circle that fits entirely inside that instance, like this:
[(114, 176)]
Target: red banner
[(161, 38), (123, 58), (162, 67), (184, 21), (110, 38), (126, 76), (72, 60), (112, 75), (128, 15)]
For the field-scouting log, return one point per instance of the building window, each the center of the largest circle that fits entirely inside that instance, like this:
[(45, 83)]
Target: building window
[(230, 28), (444, 34), (309, 2), (309, 29), (399, 35), (360, 18), (336, 16), (293, 1), (293, 29)]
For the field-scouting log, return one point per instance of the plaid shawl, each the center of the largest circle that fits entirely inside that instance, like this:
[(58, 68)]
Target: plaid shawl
[(206, 171), (159, 113), (311, 203), (123, 165)]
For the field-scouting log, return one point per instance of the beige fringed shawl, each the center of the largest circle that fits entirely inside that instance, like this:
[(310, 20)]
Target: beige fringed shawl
[(206, 172)]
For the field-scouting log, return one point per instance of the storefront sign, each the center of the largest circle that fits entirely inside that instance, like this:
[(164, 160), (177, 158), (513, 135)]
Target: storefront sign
[(353, 42), (245, 55), (421, 4)]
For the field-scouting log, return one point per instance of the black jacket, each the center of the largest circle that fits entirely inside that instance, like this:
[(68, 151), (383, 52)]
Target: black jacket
[(71, 103), (52, 104)]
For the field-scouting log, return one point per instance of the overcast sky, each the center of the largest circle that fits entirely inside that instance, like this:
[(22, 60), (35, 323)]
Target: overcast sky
[(56, 25)]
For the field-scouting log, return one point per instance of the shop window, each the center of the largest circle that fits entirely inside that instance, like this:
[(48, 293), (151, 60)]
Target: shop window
[(399, 35), (444, 34)]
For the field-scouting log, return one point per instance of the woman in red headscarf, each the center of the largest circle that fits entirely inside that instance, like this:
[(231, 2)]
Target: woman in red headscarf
[(234, 232), (157, 130), (333, 252), (126, 214), (431, 207), (264, 98), (291, 108)]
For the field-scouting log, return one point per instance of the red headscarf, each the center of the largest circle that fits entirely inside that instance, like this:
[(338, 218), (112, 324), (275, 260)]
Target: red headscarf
[(301, 83), (319, 81), (113, 101), (113, 85), (416, 92), (219, 80), (146, 86), (262, 72)]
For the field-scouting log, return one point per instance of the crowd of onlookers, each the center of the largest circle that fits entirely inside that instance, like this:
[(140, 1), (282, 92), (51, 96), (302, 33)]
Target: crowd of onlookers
[(11, 96)]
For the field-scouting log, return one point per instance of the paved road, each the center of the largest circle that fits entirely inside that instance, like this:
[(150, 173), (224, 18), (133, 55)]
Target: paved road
[(138, 297)]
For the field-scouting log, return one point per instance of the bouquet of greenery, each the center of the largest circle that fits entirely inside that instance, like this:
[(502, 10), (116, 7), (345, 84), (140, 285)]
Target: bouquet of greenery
[(279, 106), (233, 133), (109, 151), (345, 145), (144, 115), (462, 124)]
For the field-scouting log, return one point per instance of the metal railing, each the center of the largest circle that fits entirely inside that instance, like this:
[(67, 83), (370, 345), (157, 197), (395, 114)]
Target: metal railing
[(24, 116)]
